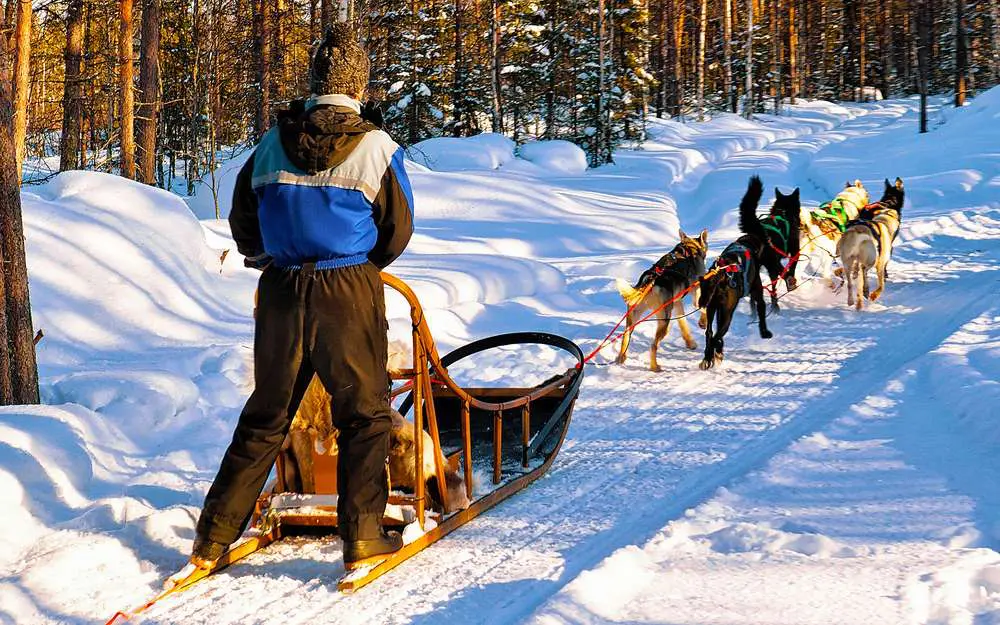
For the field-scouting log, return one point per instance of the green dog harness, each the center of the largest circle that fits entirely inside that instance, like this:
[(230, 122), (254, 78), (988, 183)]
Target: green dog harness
[(779, 226), (834, 211)]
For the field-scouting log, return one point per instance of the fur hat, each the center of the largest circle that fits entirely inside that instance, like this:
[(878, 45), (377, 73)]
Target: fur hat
[(339, 64)]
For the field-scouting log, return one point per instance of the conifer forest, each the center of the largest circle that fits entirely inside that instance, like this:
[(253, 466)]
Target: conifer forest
[(159, 90)]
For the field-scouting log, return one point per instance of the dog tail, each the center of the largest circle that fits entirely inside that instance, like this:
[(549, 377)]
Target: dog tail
[(630, 294), (749, 223)]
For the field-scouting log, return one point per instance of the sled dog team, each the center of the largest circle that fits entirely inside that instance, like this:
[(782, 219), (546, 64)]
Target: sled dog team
[(860, 234)]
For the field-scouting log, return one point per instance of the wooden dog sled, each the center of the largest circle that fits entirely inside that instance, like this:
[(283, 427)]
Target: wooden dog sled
[(510, 434)]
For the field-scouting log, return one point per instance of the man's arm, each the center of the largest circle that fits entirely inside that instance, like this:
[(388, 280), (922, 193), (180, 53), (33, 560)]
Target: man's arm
[(243, 220), (393, 214)]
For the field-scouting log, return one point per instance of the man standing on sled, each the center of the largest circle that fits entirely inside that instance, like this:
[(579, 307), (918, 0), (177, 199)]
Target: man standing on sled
[(322, 205)]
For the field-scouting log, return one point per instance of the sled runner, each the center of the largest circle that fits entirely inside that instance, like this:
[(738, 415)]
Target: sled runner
[(511, 435)]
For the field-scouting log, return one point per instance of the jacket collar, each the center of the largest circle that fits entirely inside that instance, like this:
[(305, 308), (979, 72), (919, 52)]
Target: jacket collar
[(335, 99)]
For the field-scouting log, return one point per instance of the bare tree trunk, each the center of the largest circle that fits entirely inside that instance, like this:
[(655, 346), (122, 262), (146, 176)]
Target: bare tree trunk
[(702, 27), (458, 82), (678, 58), (262, 49), (664, 58), (10, 200), (314, 20), (22, 79), (599, 125), (793, 51), (496, 113), (555, 60), (279, 77), (728, 92), (149, 87), (748, 95), (774, 52), (126, 77), (961, 53), (214, 101), (924, 18), (18, 369), (413, 130), (885, 44), (326, 15), (862, 30), (69, 143)]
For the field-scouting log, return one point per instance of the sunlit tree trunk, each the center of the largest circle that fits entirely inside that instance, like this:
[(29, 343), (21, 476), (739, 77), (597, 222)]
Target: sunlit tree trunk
[(149, 89), (22, 79), (18, 370), (961, 53), (69, 143), (126, 76)]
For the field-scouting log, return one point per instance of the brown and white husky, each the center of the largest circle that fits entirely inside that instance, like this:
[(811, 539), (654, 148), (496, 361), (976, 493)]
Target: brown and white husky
[(673, 273), (868, 243)]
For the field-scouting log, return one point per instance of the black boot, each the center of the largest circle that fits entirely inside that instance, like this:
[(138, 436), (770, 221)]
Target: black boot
[(206, 553), (361, 553)]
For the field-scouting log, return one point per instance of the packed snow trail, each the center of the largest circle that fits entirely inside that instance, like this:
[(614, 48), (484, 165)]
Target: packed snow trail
[(682, 468)]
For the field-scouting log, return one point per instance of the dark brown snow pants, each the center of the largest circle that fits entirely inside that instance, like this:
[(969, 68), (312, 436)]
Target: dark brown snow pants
[(331, 322)]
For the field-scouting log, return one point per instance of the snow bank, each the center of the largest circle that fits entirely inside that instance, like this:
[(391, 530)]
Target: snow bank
[(118, 265), (485, 151), (557, 155)]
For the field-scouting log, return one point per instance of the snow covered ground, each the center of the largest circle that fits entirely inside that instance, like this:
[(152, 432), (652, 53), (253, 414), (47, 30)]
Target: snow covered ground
[(843, 472)]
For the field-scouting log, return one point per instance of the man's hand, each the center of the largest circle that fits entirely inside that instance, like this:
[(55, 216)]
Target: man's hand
[(260, 261)]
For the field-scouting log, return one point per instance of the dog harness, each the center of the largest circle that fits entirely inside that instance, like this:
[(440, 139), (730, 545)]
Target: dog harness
[(668, 265), (779, 226), (836, 209), (871, 211), (872, 227), (833, 211), (735, 259)]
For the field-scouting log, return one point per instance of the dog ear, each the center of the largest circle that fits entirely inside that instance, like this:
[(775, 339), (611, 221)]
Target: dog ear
[(795, 194), (777, 193), (847, 184), (704, 237), (858, 184), (683, 236), (887, 185), (899, 184)]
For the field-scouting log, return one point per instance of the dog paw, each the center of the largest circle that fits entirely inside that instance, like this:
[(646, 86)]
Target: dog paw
[(655, 368), (706, 364), (702, 323), (766, 334), (858, 305), (875, 294), (791, 282), (692, 345), (620, 360)]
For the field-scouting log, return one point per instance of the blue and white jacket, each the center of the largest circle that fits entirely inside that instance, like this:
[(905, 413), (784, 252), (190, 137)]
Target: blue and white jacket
[(323, 186)]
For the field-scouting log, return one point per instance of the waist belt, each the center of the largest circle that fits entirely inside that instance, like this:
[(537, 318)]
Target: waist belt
[(330, 263)]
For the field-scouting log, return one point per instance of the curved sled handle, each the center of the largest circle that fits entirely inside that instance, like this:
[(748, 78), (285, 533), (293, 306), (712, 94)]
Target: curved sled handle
[(439, 365)]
